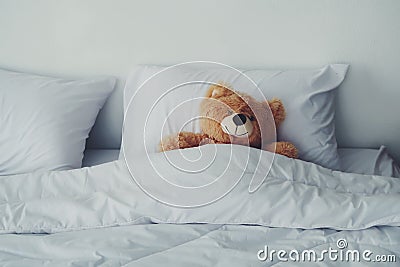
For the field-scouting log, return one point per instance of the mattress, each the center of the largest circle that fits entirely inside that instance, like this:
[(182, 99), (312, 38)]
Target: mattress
[(353, 160)]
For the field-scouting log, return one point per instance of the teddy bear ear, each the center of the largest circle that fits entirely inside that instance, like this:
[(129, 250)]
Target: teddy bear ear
[(218, 90), (278, 110)]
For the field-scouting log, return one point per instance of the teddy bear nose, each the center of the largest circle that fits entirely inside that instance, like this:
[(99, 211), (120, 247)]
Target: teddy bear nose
[(239, 119)]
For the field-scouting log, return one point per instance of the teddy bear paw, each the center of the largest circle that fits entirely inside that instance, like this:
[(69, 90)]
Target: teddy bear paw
[(287, 149), (284, 148)]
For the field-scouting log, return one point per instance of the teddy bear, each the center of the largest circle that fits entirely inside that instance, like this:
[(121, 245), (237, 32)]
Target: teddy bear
[(231, 117)]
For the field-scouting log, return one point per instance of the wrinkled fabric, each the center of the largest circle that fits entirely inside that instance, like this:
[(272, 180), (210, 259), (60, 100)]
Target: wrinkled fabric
[(295, 194), (368, 161), (45, 121), (188, 245)]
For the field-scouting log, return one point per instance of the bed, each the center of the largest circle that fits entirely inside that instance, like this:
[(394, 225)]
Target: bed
[(77, 202), (248, 206)]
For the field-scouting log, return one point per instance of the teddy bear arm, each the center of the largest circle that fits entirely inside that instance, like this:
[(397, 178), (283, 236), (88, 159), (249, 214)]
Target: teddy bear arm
[(278, 110), (284, 148), (183, 140)]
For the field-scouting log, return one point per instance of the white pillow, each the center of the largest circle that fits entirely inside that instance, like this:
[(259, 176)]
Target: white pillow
[(308, 97), (44, 122), (368, 161)]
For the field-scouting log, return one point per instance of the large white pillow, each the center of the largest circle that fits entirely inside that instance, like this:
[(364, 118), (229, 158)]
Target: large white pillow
[(308, 96), (44, 122)]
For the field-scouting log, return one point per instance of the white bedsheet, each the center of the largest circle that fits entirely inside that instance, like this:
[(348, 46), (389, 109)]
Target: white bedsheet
[(189, 245), (300, 206), (296, 194)]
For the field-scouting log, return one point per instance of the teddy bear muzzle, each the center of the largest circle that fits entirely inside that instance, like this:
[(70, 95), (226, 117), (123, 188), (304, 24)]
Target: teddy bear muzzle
[(238, 125)]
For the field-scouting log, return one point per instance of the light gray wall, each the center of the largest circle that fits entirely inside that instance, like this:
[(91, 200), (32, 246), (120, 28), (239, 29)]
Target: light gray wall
[(85, 37)]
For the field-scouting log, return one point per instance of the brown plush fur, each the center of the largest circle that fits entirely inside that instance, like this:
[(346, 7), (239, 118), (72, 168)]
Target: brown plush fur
[(220, 102)]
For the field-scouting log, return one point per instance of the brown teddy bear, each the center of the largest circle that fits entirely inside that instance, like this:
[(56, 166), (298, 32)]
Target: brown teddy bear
[(229, 117)]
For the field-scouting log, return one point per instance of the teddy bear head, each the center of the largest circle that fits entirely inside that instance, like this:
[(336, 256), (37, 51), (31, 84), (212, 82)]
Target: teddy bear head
[(233, 117)]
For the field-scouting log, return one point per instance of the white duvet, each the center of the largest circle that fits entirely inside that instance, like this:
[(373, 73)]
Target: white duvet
[(294, 197)]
